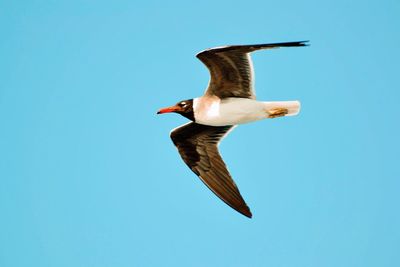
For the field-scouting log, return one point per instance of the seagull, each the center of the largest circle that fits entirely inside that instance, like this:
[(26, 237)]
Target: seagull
[(229, 100)]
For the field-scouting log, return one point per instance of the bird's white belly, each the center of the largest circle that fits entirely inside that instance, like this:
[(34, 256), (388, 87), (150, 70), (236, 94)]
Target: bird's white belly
[(229, 111)]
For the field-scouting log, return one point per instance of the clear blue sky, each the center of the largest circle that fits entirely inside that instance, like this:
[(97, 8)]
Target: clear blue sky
[(89, 176)]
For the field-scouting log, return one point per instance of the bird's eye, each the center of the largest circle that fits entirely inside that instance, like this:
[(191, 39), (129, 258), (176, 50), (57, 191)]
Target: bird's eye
[(182, 104)]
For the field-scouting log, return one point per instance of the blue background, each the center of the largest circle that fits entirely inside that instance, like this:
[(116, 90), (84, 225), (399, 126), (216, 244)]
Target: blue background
[(89, 176)]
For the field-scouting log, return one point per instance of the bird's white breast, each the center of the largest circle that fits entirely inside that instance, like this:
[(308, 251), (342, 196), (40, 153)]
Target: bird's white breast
[(211, 110)]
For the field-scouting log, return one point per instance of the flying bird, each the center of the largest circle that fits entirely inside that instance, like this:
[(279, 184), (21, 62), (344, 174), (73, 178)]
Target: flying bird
[(229, 100)]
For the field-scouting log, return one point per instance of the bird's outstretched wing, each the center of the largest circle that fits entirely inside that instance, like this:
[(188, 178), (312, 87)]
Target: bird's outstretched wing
[(198, 146), (231, 68)]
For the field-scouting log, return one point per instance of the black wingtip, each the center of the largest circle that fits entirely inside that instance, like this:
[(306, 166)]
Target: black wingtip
[(304, 43), (291, 44), (245, 211)]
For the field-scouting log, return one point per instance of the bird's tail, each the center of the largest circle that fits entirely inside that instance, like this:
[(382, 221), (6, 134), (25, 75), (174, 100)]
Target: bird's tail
[(289, 108)]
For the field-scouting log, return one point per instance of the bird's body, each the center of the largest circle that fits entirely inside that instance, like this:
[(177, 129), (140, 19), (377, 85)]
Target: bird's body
[(228, 101), (215, 111)]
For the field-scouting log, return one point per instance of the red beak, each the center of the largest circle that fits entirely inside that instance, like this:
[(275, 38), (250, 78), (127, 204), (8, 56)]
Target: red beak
[(168, 110)]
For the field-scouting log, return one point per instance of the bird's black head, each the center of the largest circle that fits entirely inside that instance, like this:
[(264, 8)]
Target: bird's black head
[(184, 107)]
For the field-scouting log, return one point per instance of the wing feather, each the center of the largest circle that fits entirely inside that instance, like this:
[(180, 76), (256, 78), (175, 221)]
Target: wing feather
[(198, 146), (231, 68)]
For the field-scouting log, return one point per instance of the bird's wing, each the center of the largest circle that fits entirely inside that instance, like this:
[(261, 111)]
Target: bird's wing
[(198, 146), (231, 68)]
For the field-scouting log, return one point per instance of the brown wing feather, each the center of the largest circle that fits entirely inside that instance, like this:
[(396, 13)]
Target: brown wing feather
[(231, 68), (198, 146)]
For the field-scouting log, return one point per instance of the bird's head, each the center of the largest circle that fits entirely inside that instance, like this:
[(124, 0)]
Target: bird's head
[(184, 107)]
